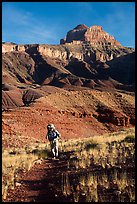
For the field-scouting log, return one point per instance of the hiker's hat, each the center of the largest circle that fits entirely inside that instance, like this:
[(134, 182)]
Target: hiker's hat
[(50, 126)]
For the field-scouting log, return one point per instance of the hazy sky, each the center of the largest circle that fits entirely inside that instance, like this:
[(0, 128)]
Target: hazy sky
[(48, 22)]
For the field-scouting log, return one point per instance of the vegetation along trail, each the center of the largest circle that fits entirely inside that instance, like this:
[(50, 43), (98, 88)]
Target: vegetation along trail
[(97, 169), (37, 183)]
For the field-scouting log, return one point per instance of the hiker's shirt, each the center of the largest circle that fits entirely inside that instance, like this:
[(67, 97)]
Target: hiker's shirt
[(53, 135)]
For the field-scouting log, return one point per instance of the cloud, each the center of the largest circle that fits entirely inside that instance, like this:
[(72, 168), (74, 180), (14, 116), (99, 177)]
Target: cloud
[(14, 16), (23, 25)]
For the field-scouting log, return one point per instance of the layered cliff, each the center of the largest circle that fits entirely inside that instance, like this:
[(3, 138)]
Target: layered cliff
[(84, 43), (86, 58), (83, 51), (94, 35)]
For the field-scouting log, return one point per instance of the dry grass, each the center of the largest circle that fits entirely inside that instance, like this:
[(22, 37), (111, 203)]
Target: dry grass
[(11, 166), (107, 151), (88, 187), (16, 160)]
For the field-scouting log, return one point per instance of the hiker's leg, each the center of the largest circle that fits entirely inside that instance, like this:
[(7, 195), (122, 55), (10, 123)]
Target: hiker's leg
[(52, 148), (56, 148)]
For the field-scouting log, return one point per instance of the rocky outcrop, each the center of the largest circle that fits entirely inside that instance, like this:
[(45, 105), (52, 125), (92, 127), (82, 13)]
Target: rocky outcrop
[(17, 67), (32, 67), (94, 35), (107, 115), (97, 44), (10, 47), (15, 97), (30, 96), (77, 34), (80, 68), (11, 99), (85, 51)]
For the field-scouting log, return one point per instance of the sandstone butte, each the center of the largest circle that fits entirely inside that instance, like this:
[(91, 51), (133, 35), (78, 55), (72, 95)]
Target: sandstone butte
[(93, 35), (84, 85), (82, 42)]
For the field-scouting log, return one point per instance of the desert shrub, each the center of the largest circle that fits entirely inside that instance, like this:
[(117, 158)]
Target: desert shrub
[(105, 151), (91, 146), (129, 139), (41, 153)]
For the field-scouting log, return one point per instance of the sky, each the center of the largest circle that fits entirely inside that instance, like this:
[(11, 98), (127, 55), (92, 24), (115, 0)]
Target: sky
[(48, 22)]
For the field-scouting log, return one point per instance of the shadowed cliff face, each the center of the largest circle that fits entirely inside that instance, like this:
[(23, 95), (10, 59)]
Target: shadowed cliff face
[(32, 67), (123, 69)]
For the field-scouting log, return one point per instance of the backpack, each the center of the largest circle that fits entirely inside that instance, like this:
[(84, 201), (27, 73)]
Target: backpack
[(53, 135)]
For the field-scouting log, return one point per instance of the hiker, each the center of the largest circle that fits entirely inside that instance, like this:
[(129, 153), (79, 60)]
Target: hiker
[(53, 136)]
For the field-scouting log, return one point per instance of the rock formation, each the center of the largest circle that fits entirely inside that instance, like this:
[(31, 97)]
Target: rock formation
[(84, 43), (86, 56), (74, 84), (93, 35)]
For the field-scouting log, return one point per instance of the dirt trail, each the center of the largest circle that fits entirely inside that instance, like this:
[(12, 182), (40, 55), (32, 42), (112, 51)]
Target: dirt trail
[(46, 181), (37, 184)]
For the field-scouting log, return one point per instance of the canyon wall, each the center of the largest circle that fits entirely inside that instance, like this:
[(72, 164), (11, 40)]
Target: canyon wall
[(65, 52), (83, 42)]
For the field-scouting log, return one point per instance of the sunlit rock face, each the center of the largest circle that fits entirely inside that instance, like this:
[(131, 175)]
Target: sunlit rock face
[(10, 47), (83, 42), (93, 35)]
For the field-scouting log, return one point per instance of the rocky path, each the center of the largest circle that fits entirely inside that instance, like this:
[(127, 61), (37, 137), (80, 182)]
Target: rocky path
[(38, 183), (47, 180)]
